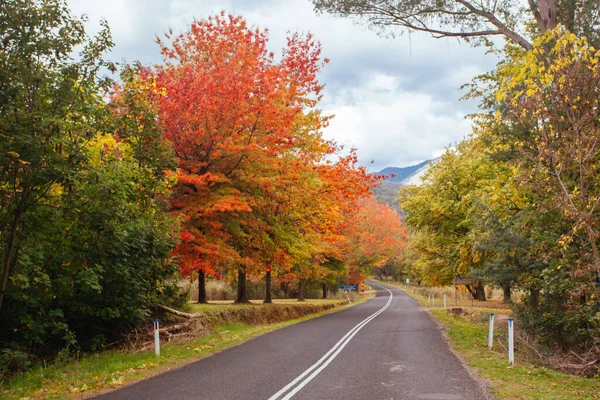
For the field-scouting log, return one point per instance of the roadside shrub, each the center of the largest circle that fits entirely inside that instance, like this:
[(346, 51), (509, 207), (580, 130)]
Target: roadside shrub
[(12, 361)]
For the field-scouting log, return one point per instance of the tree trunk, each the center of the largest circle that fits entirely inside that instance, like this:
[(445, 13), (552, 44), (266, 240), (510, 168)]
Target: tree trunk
[(242, 293), (324, 290), (268, 288), (568, 14), (479, 292), (507, 293), (301, 290), (10, 247), (548, 17), (201, 287)]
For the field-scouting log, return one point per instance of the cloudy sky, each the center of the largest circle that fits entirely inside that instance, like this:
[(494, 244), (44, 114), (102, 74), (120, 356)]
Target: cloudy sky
[(395, 99)]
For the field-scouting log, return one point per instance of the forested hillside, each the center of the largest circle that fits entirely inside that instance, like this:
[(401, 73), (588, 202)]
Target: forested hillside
[(387, 191)]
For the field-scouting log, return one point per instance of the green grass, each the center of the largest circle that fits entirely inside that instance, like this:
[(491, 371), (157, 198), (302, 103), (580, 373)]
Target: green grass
[(106, 370), (521, 381)]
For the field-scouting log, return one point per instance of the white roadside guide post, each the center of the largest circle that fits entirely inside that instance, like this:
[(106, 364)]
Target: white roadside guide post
[(491, 332), (156, 339), (406, 284), (511, 342), (444, 301)]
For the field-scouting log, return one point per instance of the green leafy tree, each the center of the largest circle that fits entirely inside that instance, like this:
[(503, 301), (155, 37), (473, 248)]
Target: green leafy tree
[(50, 106), (546, 104), (439, 213), (85, 242)]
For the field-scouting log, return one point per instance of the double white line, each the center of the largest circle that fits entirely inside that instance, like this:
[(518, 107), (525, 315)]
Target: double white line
[(320, 365)]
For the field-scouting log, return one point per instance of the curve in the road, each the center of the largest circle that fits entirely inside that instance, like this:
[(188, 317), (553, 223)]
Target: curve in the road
[(329, 357)]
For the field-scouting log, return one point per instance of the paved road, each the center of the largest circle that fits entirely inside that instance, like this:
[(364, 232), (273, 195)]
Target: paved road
[(385, 348)]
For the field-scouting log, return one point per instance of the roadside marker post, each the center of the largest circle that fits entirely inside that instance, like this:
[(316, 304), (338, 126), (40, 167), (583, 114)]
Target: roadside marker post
[(511, 342), (491, 332), (156, 338), (445, 301)]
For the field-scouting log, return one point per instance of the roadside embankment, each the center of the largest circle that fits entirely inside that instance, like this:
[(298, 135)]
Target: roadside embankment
[(205, 317)]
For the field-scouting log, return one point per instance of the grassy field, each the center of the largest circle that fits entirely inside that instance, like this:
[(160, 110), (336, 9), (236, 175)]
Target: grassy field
[(522, 381), (91, 374)]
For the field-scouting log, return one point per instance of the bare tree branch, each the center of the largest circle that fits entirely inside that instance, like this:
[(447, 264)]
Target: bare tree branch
[(453, 18)]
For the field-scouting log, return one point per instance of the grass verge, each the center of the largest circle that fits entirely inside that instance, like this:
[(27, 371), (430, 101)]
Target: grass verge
[(91, 374), (521, 381)]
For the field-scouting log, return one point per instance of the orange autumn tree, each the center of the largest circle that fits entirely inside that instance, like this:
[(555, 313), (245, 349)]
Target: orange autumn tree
[(321, 205), (298, 209), (345, 182), (228, 106), (375, 234), (284, 183)]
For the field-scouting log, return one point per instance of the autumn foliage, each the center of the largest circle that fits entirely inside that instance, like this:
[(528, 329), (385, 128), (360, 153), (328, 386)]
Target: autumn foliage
[(259, 190), (374, 235)]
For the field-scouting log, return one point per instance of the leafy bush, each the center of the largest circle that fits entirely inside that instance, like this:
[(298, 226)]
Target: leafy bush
[(13, 361)]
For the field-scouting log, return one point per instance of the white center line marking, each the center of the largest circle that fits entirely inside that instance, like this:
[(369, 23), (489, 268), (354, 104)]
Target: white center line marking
[(329, 356)]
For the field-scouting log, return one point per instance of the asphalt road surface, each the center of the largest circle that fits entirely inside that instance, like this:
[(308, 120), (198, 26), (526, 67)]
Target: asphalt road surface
[(385, 348)]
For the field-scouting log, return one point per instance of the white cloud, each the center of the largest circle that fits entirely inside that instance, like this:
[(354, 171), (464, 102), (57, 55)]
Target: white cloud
[(390, 126)]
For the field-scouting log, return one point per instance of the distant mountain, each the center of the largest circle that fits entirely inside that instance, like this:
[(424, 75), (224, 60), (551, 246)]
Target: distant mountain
[(402, 173), (387, 191), (417, 176)]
